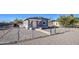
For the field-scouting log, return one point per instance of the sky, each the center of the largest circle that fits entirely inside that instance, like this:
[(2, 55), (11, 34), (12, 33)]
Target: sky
[(11, 17)]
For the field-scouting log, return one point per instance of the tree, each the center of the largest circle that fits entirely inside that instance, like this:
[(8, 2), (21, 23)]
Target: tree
[(67, 21), (62, 20), (18, 21)]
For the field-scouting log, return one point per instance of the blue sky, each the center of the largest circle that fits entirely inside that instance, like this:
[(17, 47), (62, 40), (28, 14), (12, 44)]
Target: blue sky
[(11, 17)]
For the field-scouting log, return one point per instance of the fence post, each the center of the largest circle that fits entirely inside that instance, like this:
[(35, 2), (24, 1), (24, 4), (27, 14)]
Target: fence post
[(18, 33), (55, 30), (3, 32), (50, 31), (32, 33)]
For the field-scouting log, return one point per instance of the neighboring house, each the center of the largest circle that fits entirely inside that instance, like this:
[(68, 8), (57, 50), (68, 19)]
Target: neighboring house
[(77, 25), (56, 23), (35, 22), (53, 23)]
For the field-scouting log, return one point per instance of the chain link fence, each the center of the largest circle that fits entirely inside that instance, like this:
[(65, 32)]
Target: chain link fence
[(14, 35)]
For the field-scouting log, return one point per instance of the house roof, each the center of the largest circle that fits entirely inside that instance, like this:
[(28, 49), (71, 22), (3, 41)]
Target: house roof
[(39, 18)]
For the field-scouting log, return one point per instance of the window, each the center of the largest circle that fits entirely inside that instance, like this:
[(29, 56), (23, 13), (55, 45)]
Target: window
[(44, 22)]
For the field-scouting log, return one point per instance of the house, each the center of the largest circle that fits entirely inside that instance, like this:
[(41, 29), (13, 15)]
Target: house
[(53, 23), (76, 25), (35, 22), (56, 23)]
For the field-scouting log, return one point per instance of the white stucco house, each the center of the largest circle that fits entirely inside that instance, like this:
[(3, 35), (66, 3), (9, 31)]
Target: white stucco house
[(35, 22)]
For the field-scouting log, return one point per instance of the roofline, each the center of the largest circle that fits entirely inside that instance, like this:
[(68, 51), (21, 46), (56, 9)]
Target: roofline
[(39, 18)]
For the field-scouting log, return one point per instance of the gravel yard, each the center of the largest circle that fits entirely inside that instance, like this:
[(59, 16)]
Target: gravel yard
[(67, 38), (32, 37), (23, 34)]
